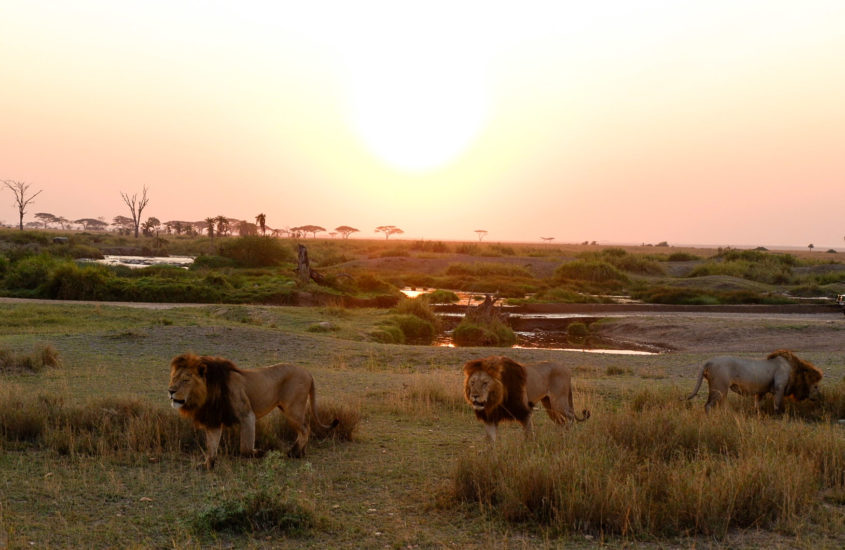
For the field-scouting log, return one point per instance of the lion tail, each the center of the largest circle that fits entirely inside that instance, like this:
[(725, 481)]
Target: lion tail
[(701, 372), (312, 396)]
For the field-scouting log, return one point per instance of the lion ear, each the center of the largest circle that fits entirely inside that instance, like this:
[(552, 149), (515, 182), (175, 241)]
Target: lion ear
[(201, 369)]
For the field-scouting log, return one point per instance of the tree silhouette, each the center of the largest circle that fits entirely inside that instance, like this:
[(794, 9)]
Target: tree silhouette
[(388, 230), (123, 224), (313, 229), (345, 230), (481, 234), (136, 207), (261, 220), (547, 239), (222, 225), (209, 226), (151, 226), (46, 218), (20, 189), (90, 224), (811, 247)]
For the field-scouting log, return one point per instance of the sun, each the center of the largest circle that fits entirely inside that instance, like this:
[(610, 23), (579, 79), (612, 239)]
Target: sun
[(416, 104)]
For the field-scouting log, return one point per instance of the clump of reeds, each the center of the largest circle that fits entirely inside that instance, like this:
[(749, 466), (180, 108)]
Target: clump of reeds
[(42, 356), (660, 468)]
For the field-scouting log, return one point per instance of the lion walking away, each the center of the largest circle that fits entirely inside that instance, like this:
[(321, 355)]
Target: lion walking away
[(781, 373), (499, 388), (214, 393)]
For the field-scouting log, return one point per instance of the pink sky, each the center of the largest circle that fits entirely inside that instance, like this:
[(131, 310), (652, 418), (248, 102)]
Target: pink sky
[(689, 122)]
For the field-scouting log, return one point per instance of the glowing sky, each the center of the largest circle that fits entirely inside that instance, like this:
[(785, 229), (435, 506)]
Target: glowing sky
[(718, 122)]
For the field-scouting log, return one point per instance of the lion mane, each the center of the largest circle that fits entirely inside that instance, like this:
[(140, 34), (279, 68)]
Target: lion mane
[(214, 393), (781, 373), (500, 389)]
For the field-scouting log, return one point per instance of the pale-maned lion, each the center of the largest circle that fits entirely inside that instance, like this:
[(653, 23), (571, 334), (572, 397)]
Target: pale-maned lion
[(214, 393), (500, 389), (782, 374)]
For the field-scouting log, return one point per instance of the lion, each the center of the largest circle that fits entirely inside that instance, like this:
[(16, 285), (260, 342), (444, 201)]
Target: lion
[(500, 389), (781, 373), (214, 393)]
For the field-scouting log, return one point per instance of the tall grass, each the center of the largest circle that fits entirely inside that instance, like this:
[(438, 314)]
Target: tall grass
[(660, 468), (42, 356), (127, 428), (427, 395)]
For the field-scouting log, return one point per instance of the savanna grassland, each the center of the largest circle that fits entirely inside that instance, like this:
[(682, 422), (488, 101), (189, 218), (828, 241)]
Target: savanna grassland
[(92, 455)]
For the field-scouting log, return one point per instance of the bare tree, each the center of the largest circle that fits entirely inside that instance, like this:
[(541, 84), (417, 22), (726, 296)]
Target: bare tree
[(136, 206), (20, 189), (481, 234), (388, 230)]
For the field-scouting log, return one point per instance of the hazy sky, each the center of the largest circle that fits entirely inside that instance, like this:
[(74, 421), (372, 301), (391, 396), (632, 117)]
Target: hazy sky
[(709, 122)]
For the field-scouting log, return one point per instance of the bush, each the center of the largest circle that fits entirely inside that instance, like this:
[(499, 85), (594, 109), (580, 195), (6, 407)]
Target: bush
[(577, 330), (419, 307), (206, 261), (29, 273), (256, 251), (442, 297), (44, 355), (415, 330), (592, 271), (494, 333), (69, 281), (257, 512)]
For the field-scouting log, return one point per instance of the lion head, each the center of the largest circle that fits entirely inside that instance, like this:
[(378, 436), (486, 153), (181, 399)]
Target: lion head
[(495, 388), (804, 378), (199, 389)]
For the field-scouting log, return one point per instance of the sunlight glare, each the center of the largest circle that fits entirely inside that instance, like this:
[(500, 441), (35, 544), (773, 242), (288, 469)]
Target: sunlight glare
[(416, 99)]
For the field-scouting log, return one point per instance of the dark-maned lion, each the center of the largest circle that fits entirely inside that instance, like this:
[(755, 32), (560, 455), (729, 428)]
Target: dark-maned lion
[(782, 374), (500, 389), (214, 393)]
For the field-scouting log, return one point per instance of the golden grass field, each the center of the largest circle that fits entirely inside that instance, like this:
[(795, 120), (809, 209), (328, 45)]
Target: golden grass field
[(92, 456)]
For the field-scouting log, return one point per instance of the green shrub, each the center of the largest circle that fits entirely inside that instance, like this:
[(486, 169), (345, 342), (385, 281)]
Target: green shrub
[(256, 251), (367, 282), (388, 333), (415, 329), (593, 271), (419, 307), (577, 330), (70, 281), (683, 257), (442, 297), (206, 261), (494, 333), (29, 273), (485, 269), (257, 512)]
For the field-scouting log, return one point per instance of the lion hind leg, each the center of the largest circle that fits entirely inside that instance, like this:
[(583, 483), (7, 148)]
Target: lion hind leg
[(557, 415), (299, 424), (714, 398)]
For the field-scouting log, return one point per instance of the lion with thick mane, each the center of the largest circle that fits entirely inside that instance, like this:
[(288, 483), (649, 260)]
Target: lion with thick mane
[(214, 393), (781, 373), (500, 389)]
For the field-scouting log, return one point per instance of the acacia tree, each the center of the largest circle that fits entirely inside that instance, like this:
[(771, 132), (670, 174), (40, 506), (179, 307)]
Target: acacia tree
[(223, 226), (261, 220), (136, 206), (21, 189), (481, 234), (123, 224), (46, 218), (388, 230), (345, 230), (90, 224), (151, 226)]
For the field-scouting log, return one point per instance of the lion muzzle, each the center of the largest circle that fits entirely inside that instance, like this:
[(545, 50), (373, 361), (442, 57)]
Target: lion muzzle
[(175, 403), (478, 405)]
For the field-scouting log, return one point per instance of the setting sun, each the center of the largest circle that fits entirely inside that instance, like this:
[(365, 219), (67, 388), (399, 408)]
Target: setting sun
[(416, 102)]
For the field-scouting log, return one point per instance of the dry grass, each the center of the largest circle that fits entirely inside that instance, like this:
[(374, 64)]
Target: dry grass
[(660, 468)]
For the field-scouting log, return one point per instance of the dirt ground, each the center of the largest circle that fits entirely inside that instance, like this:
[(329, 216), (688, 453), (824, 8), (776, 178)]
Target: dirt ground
[(729, 332)]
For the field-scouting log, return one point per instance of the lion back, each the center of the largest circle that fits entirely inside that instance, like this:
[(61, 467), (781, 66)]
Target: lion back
[(217, 409), (513, 376)]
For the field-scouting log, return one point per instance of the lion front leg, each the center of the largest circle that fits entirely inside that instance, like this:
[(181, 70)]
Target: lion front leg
[(248, 435), (491, 430), (212, 442)]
